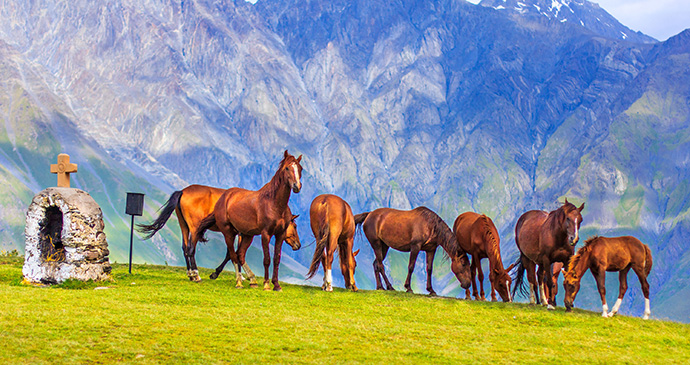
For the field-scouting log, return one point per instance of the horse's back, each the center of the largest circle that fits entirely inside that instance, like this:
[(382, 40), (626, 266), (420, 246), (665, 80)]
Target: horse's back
[(396, 228), (619, 252), (527, 231), (198, 201)]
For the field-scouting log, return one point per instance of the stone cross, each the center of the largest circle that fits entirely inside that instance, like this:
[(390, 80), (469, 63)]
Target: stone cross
[(63, 169)]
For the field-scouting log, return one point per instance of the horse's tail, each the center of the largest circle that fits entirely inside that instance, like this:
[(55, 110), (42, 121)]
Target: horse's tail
[(206, 223), (166, 211), (320, 250), (359, 218), (519, 279), (647, 260)]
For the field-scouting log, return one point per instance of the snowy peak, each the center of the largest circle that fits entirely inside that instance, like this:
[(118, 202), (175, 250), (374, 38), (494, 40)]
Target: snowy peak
[(580, 12)]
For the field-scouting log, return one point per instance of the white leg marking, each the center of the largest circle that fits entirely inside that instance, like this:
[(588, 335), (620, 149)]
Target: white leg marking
[(647, 310), (532, 299), (329, 280), (616, 307), (544, 301), (605, 310), (510, 296)]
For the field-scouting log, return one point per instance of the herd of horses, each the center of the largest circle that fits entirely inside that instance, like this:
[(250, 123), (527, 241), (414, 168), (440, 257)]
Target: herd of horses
[(546, 241)]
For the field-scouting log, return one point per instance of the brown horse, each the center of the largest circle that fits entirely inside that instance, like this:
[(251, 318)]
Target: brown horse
[(333, 226), (477, 235), (415, 230), (263, 212), (602, 254), (544, 238), (191, 205), (291, 238)]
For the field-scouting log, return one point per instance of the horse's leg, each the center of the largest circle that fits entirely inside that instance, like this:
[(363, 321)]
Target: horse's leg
[(376, 245), (245, 243), (384, 252), (228, 255), (429, 270), (265, 239), (530, 267), (345, 251), (493, 289), (600, 277), (414, 251), (277, 250), (480, 278), (542, 289), (554, 292), (193, 272), (185, 243), (473, 274), (328, 261), (622, 288), (548, 282), (645, 290)]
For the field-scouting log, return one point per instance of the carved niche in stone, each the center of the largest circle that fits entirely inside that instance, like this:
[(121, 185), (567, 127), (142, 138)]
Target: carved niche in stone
[(65, 238)]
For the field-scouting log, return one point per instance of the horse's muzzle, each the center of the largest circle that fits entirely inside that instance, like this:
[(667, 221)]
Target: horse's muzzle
[(296, 188)]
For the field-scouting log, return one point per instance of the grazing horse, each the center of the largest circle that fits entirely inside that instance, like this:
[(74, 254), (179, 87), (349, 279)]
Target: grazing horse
[(544, 238), (602, 254), (477, 235), (263, 212), (333, 226), (415, 230), (191, 205)]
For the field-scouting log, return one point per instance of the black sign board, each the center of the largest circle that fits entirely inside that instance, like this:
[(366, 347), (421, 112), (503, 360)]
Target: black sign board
[(135, 204)]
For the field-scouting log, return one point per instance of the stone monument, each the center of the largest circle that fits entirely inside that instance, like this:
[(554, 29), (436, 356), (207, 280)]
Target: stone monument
[(64, 233)]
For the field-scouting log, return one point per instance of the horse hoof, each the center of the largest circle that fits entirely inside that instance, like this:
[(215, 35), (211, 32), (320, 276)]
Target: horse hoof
[(550, 307), (329, 288), (432, 293), (277, 288), (213, 276), (390, 288), (239, 286), (379, 288), (253, 286), (354, 289)]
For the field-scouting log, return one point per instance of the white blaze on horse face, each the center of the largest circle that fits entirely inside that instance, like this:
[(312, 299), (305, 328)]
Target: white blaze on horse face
[(297, 177)]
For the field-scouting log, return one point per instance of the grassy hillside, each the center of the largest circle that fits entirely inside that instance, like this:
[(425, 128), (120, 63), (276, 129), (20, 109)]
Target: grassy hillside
[(157, 315)]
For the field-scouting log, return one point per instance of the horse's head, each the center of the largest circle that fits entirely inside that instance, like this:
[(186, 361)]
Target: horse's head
[(571, 284), (461, 268), (352, 264), (502, 282), (291, 236), (571, 219), (293, 171)]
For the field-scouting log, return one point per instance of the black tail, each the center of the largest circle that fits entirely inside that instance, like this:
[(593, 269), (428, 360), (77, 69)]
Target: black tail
[(359, 218), (320, 250), (519, 279), (150, 229), (206, 223)]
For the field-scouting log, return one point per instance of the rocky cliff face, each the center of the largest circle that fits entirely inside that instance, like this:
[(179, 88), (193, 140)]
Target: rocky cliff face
[(439, 103)]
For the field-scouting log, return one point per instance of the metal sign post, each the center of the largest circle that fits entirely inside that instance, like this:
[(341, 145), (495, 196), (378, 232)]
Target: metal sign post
[(135, 206)]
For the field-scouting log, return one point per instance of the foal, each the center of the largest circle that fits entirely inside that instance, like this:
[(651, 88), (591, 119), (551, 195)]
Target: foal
[(602, 254)]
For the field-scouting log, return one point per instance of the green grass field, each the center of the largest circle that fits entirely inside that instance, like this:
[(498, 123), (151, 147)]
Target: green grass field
[(157, 316)]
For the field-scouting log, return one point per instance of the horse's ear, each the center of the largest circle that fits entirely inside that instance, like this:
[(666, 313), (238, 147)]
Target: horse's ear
[(581, 207), (294, 217), (286, 154), (299, 158), (510, 267), (355, 253), (566, 199)]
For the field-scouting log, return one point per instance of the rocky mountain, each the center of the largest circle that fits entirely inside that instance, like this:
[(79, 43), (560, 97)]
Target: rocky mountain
[(498, 108)]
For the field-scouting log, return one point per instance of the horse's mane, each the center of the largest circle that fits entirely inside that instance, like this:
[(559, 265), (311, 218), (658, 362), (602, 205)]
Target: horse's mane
[(270, 190), (493, 250), (446, 237), (575, 260)]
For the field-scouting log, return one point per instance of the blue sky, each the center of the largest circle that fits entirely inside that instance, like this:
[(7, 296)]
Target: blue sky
[(660, 19)]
